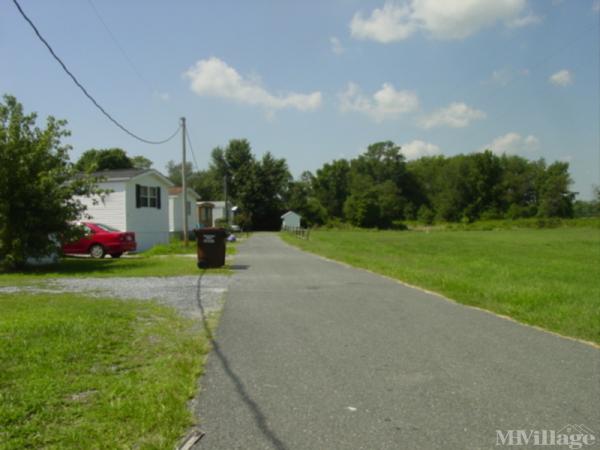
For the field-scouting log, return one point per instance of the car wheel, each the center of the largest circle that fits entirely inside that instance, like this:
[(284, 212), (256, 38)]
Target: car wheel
[(97, 251), (116, 255)]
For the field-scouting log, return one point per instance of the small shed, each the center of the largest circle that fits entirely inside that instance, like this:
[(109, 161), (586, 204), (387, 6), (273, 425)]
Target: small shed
[(290, 220), (210, 212)]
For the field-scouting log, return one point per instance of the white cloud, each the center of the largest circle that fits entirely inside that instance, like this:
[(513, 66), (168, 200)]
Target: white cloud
[(505, 75), (336, 45), (455, 115), (523, 21), (561, 78), (388, 24), (513, 143), (213, 77), (164, 96), (501, 76), (386, 103), (442, 19), (417, 149)]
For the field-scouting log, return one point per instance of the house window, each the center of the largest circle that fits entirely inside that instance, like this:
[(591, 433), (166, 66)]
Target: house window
[(188, 208), (148, 197)]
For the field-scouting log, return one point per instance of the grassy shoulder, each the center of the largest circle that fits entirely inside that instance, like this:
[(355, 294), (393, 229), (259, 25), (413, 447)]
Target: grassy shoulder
[(143, 266), (547, 278), (177, 247), (83, 373)]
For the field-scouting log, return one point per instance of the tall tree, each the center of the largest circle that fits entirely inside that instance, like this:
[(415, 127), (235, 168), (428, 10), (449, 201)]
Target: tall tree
[(331, 186), (141, 162), (37, 186), (556, 200), (103, 159)]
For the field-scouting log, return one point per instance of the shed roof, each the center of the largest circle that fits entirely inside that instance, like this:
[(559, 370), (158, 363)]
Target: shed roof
[(289, 213), (176, 190)]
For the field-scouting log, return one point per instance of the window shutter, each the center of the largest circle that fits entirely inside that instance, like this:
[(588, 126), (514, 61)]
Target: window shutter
[(158, 197), (137, 196)]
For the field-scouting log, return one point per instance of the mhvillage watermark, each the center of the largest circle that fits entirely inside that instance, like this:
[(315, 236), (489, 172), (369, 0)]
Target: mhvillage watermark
[(572, 436)]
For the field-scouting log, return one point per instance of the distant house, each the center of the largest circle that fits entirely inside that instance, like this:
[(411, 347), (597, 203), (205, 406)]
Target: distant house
[(209, 212), (290, 220), (176, 210), (138, 202)]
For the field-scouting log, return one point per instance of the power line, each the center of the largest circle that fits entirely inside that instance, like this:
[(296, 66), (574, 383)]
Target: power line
[(80, 86), (187, 134), (118, 44)]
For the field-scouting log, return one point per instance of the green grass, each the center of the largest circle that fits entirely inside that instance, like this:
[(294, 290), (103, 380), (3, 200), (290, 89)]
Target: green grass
[(531, 223), (547, 278), (177, 247), (83, 373), (144, 266)]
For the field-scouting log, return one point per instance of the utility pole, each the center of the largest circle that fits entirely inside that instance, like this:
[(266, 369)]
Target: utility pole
[(226, 200), (184, 183)]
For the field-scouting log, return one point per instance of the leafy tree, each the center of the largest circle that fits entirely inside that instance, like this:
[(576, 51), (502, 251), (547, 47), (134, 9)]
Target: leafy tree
[(425, 215), (37, 186), (272, 178), (555, 198), (331, 186), (301, 199), (141, 162), (518, 191), (103, 159), (362, 208), (582, 208), (174, 173), (208, 185)]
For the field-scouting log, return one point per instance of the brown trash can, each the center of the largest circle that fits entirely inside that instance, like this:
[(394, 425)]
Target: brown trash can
[(211, 247)]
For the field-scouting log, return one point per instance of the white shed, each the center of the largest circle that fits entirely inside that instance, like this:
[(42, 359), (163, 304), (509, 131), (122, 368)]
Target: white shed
[(176, 211), (290, 220), (138, 202)]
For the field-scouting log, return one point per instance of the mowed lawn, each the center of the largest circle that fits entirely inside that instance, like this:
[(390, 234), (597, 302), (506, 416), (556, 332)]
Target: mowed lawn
[(95, 373), (143, 266), (549, 278)]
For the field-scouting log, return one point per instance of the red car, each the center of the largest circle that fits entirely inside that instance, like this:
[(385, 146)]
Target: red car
[(101, 239)]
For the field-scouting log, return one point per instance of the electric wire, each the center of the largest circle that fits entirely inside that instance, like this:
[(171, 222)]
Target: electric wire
[(83, 89), (118, 44), (187, 134)]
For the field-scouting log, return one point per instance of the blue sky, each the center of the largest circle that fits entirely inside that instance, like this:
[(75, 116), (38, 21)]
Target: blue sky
[(318, 80)]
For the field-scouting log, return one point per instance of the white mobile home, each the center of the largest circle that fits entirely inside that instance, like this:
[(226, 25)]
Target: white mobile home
[(176, 210), (138, 202)]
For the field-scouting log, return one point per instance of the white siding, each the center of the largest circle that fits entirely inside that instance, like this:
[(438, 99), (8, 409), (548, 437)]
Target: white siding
[(150, 225), (291, 220), (110, 210), (176, 212)]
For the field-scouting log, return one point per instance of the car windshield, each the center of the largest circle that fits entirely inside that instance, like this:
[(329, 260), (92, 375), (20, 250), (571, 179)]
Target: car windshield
[(106, 227)]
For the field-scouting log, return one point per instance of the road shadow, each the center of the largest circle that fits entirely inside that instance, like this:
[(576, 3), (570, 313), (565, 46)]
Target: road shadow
[(239, 266), (257, 414)]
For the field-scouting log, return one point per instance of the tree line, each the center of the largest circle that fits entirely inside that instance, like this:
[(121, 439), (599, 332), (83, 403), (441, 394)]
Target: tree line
[(380, 187)]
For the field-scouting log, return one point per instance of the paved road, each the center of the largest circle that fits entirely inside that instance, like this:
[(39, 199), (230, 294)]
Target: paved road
[(310, 354)]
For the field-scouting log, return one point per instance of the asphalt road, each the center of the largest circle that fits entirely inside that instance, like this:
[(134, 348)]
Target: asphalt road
[(311, 354)]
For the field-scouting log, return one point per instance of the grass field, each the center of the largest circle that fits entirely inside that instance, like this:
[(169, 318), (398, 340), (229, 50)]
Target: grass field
[(82, 373), (176, 247), (144, 266), (547, 278)]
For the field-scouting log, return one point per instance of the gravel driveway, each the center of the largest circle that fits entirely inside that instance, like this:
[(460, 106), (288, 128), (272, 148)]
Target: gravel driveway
[(179, 292)]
